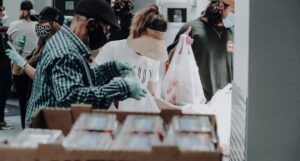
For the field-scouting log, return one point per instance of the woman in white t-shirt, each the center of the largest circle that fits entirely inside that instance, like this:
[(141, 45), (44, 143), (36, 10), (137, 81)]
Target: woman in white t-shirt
[(145, 47)]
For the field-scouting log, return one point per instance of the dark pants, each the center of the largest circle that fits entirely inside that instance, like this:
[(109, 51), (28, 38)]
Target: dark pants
[(21, 83), (5, 85)]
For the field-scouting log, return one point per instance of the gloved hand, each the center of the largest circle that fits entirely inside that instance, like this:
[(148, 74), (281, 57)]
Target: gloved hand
[(136, 91), (20, 42), (14, 56), (124, 68)]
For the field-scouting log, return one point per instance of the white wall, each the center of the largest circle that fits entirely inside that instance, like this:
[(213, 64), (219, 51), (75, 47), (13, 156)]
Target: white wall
[(13, 7), (241, 41), (40, 4)]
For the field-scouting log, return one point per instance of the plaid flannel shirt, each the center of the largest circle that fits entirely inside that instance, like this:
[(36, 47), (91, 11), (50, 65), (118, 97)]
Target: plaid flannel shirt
[(64, 77)]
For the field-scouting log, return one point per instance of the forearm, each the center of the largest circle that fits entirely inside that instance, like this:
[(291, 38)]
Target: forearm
[(104, 73), (152, 88), (30, 71), (100, 97), (16, 70)]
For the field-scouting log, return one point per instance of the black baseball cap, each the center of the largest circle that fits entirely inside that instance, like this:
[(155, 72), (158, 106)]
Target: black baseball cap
[(26, 5), (2, 8), (51, 14), (99, 10)]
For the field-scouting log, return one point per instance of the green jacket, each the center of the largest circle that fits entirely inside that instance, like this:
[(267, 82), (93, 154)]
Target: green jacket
[(212, 52)]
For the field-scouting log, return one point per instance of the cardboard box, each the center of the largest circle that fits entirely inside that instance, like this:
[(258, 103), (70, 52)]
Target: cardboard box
[(63, 119)]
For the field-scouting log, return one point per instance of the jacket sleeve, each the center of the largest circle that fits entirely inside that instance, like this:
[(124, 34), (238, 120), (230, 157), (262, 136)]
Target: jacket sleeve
[(104, 73), (68, 86)]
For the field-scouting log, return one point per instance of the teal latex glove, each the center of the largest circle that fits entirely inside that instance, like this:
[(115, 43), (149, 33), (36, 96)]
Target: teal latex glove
[(14, 56), (124, 68), (20, 42), (136, 92)]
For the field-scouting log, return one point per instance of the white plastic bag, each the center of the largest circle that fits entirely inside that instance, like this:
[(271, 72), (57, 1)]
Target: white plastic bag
[(182, 84), (221, 104), (146, 104)]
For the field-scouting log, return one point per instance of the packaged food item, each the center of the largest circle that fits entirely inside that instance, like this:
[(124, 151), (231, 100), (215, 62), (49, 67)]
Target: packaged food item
[(144, 124), (191, 142), (87, 140), (136, 142), (31, 138), (191, 124), (96, 123)]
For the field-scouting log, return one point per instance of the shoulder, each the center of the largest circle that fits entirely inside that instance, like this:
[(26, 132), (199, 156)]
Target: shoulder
[(14, 23), (59, 46), (113, 44)]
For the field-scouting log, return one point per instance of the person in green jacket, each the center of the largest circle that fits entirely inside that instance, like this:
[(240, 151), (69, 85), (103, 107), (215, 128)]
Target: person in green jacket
[(213, 45)]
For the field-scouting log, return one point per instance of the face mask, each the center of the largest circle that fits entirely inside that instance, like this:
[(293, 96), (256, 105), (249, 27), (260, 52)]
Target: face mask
[(228, 21), (97, 38), (4, 19), (42, 31)]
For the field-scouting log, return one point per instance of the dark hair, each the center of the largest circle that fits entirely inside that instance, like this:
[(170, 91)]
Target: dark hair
[(51, 14), (42, 42), (148, 18), (213, 13), (2, 8), (26, 5)]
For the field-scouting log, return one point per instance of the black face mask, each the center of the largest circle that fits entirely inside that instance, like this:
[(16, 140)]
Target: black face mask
[(213, 14), (97, 37)]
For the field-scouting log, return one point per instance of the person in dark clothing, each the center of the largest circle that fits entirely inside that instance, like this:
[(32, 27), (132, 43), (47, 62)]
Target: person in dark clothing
[(123, 13), (212, 47), (5, 70), (50, 20)]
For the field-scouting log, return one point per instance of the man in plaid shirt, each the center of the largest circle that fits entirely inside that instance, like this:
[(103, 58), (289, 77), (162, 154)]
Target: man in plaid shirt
[(63, 74)]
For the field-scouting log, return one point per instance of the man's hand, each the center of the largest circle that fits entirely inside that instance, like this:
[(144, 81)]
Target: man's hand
[(136, 91), (124, 68)]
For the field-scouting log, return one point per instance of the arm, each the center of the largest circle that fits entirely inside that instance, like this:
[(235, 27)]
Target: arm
[(154, 79), (181, 31), (152, 88), (68, 86), (104, 73), (29, 70), (104, 65)]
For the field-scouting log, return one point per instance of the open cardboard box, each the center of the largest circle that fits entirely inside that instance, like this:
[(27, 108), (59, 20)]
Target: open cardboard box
[(63, 119)]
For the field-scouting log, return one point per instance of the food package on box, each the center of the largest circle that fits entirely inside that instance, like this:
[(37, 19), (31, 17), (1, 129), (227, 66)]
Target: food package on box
[(31, 138), (96, 123), (191, 124), (190, 142), (144, 124), (136, 142), (86, 140)]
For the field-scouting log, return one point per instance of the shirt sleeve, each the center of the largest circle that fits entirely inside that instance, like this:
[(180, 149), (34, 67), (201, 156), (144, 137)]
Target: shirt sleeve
[(104, 73), (68, 86)]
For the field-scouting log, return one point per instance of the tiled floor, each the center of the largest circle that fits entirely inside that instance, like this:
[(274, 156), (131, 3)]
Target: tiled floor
[(9, 134)]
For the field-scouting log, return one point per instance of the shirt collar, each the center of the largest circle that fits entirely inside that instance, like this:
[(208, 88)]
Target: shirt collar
[(84, 50)]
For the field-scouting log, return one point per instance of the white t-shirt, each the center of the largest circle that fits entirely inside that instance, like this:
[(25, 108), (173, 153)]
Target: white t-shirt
[(146, 69), (27, 28)]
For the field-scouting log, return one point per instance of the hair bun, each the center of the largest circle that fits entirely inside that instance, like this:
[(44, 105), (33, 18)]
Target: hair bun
[(154, 8)]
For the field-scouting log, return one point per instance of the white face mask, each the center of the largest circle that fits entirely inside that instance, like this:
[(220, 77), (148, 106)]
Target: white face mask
[(228, 21)]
